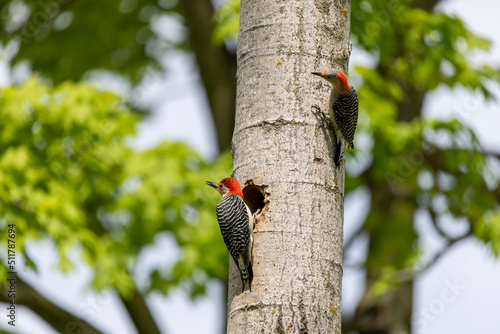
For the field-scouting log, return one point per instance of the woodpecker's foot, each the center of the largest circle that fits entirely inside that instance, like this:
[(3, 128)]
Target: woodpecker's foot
[(316, 108), (323, 118), (255, 214)]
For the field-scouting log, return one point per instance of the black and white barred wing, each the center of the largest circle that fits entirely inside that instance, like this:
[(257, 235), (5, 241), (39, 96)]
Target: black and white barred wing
[(345, 111), (233, 219)]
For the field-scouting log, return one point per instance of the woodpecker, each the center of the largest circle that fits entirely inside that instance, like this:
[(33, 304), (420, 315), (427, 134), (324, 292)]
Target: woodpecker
[(343, 107), (236, 225)]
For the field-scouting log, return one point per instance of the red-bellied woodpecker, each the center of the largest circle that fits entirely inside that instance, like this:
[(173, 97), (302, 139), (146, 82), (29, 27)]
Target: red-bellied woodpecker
[(343, 107), (236, 225)]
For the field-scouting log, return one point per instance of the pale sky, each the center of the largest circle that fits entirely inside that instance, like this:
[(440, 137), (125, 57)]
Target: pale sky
[(459, 295)]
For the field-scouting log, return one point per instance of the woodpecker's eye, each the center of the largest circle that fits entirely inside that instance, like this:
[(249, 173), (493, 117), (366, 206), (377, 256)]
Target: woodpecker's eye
[(328, 77)]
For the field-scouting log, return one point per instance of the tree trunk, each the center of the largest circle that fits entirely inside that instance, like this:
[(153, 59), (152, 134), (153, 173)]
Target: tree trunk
[(388, 313), (282, 146), (217, 67)]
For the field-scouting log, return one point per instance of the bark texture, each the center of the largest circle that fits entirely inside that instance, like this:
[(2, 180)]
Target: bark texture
[(282, 146)]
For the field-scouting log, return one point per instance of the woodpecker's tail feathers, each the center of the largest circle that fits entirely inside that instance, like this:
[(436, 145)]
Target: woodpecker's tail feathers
[(246, 273), (351, 145), (250, 276), (338, 151)]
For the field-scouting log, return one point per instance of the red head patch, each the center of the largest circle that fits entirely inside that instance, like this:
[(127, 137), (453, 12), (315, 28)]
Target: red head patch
[(344, 85), (233, 185)]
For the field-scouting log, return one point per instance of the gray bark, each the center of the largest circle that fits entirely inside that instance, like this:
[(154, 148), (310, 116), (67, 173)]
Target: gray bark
[(281, 145)]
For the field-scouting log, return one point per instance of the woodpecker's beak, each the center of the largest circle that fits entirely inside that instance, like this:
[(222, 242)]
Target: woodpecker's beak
[(212, 184), (317, 73)]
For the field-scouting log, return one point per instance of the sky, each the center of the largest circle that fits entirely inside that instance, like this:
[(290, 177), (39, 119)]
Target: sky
[(459, 294)]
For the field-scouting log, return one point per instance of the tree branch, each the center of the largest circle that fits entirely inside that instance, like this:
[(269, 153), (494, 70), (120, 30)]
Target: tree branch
[(61, 320), (436, 161), (64, 322), (443, 251), (426, 5), (438, 228), (491, 154), (139, 312), (407, 275)]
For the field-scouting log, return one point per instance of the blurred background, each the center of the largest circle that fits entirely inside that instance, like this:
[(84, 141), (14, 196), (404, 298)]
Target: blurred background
[(114, 114)]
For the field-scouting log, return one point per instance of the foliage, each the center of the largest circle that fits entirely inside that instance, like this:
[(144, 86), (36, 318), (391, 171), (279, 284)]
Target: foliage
[(227, 18), (118, 36), (419, 163), (67, 174), (419, 47)]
